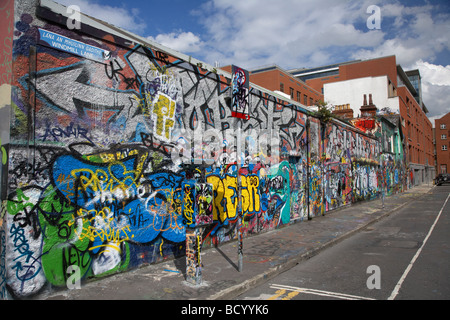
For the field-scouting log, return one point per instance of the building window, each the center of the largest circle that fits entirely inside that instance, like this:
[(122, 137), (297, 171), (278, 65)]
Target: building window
[(305, 100), (291, 91), (443, 126), (444, 147), (444, 137), (299, 97), (282, 87), (407, 106)]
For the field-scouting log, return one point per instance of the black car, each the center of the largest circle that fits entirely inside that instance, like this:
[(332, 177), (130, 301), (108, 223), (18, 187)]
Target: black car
[(442, 178)]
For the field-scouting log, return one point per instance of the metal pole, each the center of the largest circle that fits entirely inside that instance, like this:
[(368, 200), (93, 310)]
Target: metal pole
[(239, 206), (308, 165)]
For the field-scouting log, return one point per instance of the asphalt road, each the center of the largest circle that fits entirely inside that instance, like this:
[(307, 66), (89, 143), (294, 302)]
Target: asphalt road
[(405, 256)]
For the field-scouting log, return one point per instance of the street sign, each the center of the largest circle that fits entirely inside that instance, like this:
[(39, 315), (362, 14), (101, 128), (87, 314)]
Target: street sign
[(78, 48)]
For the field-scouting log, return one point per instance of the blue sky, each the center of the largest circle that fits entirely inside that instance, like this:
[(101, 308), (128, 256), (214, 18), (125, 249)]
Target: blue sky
[(295, 33)]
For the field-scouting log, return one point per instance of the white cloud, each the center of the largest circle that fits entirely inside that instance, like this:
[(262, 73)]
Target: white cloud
[(415, 34), (124, 17), (289, 32), (405, 53), (434, 74), (185, 42), (296, 33), (435, 87)]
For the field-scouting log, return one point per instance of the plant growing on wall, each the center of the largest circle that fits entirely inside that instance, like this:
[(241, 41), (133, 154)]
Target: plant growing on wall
[(324, 112)]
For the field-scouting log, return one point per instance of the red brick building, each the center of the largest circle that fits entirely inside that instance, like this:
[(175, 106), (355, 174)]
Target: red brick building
[(402, 91), (276, 79), (442, 138)]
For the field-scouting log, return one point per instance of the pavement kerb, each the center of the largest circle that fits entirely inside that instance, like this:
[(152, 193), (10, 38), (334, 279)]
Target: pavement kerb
[(236, 290)]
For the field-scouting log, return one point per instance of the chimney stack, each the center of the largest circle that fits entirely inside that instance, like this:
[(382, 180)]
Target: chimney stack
[(343, 111), (368, 110)]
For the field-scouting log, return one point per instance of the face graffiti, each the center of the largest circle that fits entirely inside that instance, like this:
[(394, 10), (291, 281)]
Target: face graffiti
[(128, 154)]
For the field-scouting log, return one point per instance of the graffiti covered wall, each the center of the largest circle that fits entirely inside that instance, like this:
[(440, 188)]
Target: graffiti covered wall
[(6, 44), (351, 165), (393, 174), (111, 161)]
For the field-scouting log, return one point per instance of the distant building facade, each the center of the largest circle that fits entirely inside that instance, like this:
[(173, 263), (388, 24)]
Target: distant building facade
[(386, 127), (393, 91), (442, 138)]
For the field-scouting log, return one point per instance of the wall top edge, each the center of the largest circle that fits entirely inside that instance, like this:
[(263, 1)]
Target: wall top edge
[(136, 39)]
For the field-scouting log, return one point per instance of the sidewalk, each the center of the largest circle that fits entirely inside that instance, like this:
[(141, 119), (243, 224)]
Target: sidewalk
[(265, 256)]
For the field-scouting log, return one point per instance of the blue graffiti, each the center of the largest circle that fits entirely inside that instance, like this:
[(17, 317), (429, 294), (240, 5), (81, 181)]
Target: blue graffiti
[(94, 186)]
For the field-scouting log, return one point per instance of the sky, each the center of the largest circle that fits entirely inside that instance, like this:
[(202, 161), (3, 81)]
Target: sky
[(296, 33)]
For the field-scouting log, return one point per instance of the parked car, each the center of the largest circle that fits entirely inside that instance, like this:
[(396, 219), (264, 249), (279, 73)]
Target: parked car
[(443, 178)]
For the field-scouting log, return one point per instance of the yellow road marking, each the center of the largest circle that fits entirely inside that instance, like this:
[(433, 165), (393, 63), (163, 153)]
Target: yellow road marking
[(278, 294), (291, 295)]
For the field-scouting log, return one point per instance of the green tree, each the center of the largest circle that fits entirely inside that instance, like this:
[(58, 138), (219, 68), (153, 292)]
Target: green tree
[(324, 112)]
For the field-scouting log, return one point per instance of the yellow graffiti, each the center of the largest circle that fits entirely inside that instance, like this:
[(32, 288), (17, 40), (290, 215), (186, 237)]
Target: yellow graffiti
[(164, 111), (111, 156), (188, 204), (4, 153), (225, 200), (103, 181), (170, 209), (226, 196), (142, 103), (99, 181), (250, 195), (69, 185), (100, 226), (3, 211)]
